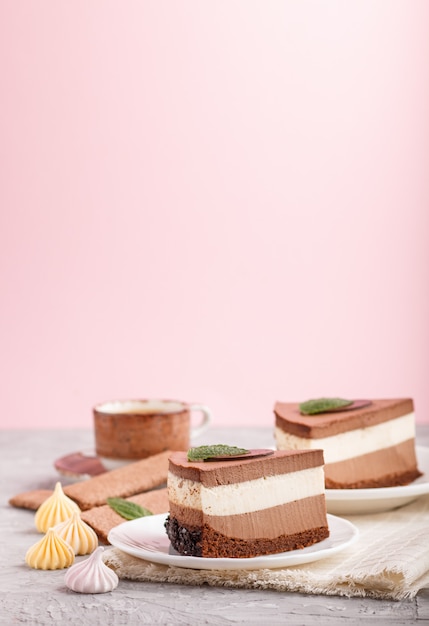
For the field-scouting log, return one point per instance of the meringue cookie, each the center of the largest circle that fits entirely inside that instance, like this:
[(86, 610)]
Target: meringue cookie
[(51, 552), (56, 509), (91, 575), (77, 534)]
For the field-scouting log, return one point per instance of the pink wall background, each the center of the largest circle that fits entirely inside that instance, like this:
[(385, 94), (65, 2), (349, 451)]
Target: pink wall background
[(224, 202)]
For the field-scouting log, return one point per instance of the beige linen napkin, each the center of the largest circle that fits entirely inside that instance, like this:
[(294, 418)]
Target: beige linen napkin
[(390, 560)]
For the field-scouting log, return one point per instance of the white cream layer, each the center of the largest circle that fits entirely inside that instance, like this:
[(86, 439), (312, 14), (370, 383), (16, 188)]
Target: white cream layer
[(354, 442), (246, 497)]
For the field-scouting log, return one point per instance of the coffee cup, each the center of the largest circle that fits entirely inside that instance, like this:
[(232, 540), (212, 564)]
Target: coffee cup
[(130, 430)]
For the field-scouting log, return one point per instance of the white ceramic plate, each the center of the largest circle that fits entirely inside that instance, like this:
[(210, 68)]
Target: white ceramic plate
[(146, 538), (362, 501)]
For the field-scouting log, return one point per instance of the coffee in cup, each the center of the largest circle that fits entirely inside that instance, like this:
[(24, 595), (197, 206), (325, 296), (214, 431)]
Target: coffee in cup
[(130, 430)]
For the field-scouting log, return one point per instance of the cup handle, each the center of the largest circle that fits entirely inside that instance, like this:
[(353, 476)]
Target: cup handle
[(206, 419)]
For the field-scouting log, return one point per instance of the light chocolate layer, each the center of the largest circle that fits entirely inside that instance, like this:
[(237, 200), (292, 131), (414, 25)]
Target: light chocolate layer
[(289, 418), (389, 467), (288, 519), (214, 473)]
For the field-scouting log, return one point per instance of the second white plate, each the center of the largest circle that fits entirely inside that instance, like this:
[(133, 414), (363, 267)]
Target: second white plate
[(362, 501), (146, 538)]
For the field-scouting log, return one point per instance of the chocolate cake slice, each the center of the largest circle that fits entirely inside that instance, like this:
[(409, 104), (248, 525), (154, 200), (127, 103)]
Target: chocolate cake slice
[(246, 507), (370, 446)]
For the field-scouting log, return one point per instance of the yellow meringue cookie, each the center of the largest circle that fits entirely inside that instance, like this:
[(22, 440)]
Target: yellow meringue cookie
[(51, 552), (56, 509), (77, 534)]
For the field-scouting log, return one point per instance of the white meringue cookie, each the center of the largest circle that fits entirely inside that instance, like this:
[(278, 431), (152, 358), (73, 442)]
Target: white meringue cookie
[(91, 575), (77, 534)]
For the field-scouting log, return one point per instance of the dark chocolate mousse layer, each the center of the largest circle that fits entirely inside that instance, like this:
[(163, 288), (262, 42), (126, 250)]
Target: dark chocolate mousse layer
[(289, 418)]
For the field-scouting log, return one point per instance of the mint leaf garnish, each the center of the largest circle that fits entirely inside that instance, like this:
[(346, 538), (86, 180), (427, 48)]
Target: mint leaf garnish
[(323, 405), (201, 453), (127, 509)]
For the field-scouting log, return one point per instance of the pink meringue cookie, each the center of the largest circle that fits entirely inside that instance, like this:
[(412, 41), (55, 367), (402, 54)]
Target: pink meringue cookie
[(91, 575)]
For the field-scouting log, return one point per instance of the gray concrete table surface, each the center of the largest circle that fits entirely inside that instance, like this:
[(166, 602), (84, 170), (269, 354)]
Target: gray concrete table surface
[(41, 597)]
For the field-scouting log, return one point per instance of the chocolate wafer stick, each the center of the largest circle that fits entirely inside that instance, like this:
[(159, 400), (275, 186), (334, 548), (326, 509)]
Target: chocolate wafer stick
[(30, 499), (123, 482), (102, 518)]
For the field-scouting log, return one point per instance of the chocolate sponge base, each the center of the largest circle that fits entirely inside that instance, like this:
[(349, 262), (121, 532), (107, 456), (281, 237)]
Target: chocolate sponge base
[(209, 543)]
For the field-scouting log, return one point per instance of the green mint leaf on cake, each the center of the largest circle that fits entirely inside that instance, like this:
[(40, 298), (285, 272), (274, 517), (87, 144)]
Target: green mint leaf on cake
[(127, 509), (202, 453), (323, 405)]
